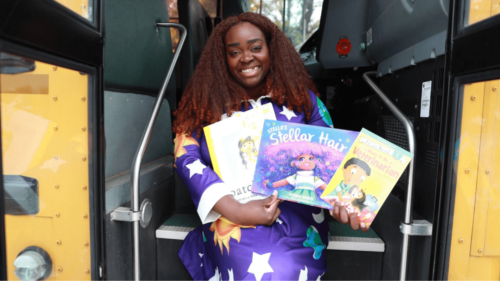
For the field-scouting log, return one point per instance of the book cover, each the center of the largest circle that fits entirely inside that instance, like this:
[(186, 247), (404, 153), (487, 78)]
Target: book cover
[(299, 160), (233, 144), (367, 175)]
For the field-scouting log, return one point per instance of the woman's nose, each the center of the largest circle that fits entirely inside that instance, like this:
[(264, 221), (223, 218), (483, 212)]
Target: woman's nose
[(247, 57)]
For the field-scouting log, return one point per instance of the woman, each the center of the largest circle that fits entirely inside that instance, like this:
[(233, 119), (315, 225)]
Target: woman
[(247, 62)]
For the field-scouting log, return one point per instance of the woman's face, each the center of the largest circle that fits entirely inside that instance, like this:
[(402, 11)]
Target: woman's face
[(247, 56)]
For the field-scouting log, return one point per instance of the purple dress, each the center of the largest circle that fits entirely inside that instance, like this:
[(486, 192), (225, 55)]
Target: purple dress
[(292, 248)]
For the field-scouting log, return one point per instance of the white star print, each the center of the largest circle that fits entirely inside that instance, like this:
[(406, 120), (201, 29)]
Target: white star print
[(303, 274), (231, 275), (201, 256), (288, 113), (195, 168), (279, 221), (260, 265), (319, 277), (216, 277), (319, 218)]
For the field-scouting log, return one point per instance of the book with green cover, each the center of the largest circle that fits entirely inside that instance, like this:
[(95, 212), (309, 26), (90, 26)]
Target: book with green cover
[(367, 175)]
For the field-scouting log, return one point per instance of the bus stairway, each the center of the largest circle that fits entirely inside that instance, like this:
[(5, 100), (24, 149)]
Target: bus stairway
[(351, 255)]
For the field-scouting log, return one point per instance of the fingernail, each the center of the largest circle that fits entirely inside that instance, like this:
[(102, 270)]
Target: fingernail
[(341, 203), (275, 192), (363, 225)]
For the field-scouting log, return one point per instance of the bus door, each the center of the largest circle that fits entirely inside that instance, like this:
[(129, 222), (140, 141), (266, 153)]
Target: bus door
[(50, 91), (469, 244)]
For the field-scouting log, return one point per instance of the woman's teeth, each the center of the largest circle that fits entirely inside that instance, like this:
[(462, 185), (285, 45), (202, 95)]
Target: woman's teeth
[(250, 70)]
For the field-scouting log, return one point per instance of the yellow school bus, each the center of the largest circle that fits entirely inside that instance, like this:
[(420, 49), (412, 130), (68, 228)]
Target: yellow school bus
[(87, 91)]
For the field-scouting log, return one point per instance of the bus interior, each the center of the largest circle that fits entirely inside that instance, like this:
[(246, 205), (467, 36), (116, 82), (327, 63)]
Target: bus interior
[(88, 90)]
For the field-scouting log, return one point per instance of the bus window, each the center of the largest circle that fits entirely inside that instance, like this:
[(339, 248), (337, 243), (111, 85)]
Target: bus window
[(45, 154), (83, 8), (475, 248), (479, 10), (300, 17)]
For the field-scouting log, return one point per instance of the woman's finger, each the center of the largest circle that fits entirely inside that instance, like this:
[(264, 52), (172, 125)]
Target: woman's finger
[(271, 199), (354, 221), (343, 215), (336, 211), (364, 227)]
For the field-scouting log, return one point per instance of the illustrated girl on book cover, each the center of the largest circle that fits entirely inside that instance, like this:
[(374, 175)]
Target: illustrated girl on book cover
[(299, 170)]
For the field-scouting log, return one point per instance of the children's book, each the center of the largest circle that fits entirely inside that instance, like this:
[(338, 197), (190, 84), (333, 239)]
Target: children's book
[(299, 160), (233, 144), (367, 175)]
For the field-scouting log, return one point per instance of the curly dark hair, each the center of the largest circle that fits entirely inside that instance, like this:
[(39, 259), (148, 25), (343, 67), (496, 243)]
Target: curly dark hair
[(212, 90)]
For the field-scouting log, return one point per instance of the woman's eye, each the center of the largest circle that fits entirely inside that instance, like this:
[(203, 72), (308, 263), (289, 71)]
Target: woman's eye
[(256, 48), (232, 53), (353, 171)]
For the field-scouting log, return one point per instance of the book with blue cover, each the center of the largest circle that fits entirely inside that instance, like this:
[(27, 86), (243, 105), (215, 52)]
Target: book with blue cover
[(299, 160)]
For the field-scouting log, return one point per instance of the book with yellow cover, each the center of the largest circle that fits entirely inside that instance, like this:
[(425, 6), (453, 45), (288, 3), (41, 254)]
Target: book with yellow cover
[(233, 144), (367, 175)]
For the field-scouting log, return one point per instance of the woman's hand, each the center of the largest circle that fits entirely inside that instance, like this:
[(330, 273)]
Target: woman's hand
[(258, 212), (339, 213)]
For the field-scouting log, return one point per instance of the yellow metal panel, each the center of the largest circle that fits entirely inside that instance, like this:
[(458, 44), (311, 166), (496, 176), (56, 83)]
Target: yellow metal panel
[(484, 268), (495, 7), (466, 171), (485, 169), (479, 10), (45, 136), (80, 7), (492, 239)]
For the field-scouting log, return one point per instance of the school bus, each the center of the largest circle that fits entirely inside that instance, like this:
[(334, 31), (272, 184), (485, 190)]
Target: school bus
[(87, 91)]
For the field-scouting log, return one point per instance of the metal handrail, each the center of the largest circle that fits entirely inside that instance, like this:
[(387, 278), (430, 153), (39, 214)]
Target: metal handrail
[(136, 166), (411, 144)]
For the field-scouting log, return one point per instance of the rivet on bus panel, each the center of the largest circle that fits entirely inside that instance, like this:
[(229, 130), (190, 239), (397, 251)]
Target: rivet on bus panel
[(58, 242), (86, 244), (54, 98), (461, 240), (55, 128), (85, 216), (83, 98), (56, 186), (487, 172), (467, 170), (84, 158), (58, 215), (494, 89), (87, 271), (84, 187), (480, 251), (83, 129), (54, 68), (59, 269), (473, 98)]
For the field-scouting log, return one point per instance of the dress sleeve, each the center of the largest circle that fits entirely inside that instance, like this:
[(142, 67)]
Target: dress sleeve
[(319, 115), (204, 185)]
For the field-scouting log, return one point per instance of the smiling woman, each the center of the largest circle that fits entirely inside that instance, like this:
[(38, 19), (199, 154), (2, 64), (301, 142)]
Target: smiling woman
[(247, 62)]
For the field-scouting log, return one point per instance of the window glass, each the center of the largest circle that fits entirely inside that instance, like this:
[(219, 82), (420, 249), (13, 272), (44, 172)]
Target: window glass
[(301, 17), (479, 10), (82, 7), (45, 158), (210, 6)]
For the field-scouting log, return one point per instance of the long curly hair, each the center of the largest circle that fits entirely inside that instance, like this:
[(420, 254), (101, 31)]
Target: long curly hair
[(275, 162), (212, 90)]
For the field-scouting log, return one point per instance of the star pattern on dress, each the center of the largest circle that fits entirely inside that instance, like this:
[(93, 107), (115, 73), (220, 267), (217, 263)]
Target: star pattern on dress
[(260, 265), (201, 256), (195, 168), (288, 113), (182, 140), (231, 274), (279, 221), (303, 274), (217, 275)]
